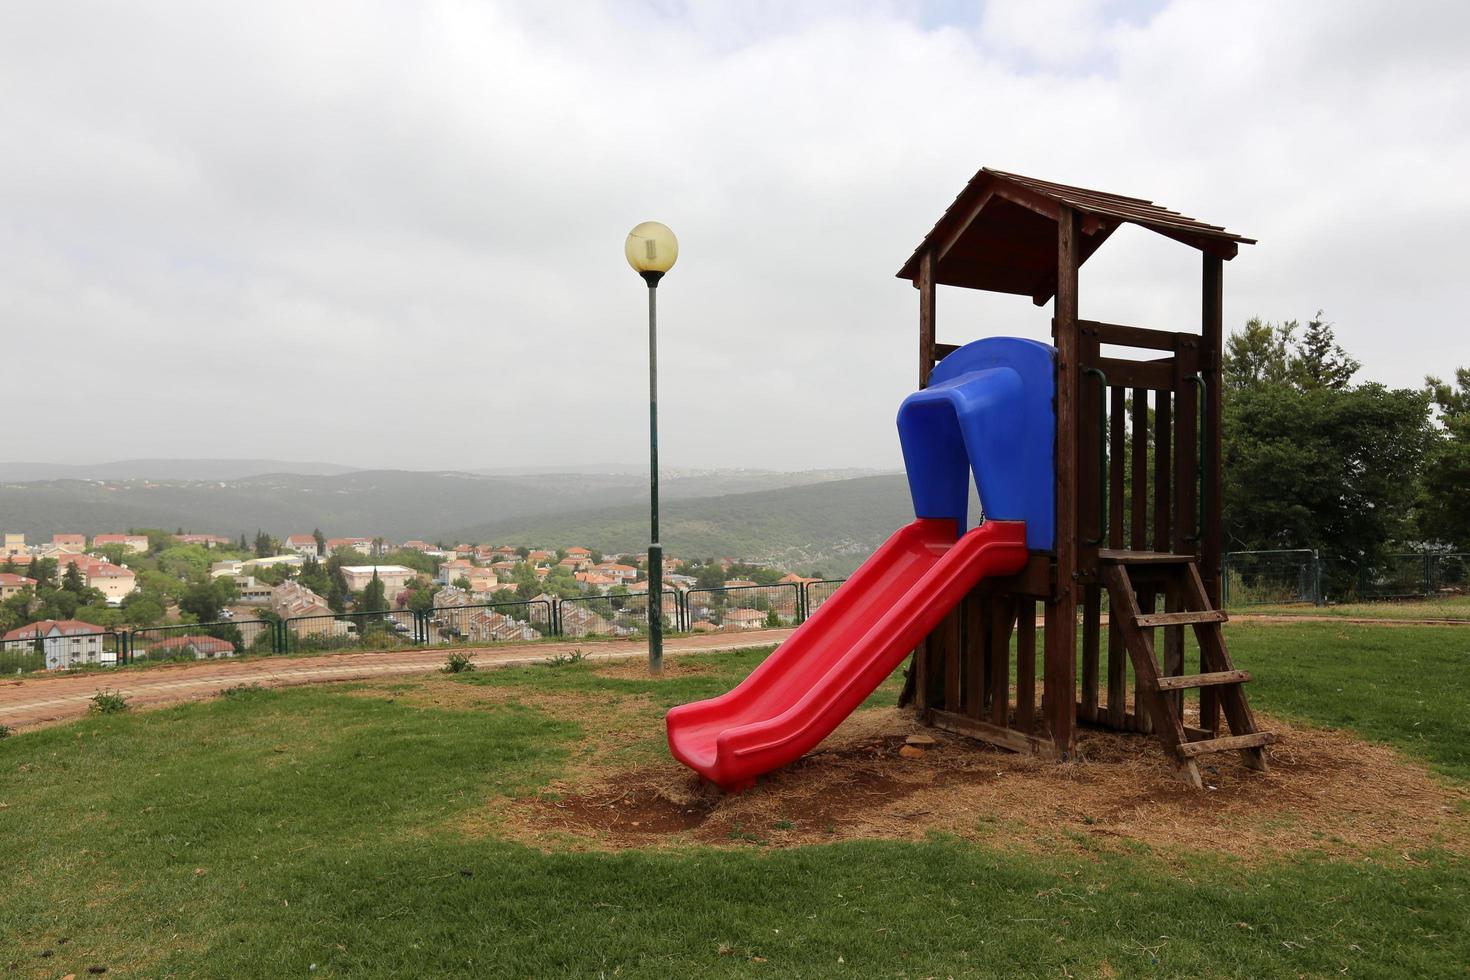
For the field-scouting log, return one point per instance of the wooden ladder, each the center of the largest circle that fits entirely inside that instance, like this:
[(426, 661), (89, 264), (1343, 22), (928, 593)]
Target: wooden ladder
[(1161, 694)]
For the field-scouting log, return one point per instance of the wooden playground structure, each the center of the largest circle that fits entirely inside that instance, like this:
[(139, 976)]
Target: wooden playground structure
[(1137, 492)]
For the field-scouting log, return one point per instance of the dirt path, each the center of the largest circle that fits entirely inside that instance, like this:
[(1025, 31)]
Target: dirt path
[(38, 701)]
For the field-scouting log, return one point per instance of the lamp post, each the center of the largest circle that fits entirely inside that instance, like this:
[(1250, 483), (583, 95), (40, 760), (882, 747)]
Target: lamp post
[(651, 249)]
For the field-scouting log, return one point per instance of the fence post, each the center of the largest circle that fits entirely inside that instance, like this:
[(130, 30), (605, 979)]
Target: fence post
[(1427, 587), (1225, 580)]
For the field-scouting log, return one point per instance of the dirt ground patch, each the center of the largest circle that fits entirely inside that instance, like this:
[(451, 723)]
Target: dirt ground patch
[(637, 670), (1326, 792)]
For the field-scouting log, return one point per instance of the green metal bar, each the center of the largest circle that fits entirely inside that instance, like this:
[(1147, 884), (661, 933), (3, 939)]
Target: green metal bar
[(1204, 435)]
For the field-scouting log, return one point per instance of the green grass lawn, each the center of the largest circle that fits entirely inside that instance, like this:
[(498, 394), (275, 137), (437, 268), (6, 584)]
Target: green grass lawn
[(1448, 607), (318, 832)]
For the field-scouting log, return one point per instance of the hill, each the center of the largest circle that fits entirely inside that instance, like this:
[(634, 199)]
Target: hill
[(830, 527), (396, 504)]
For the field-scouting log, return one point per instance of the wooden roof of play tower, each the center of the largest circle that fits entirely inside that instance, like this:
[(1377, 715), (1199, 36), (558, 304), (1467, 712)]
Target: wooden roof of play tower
[(1000, 234)]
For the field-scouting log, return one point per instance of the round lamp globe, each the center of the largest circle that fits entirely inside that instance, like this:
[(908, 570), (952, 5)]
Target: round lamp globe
[(651, 249)]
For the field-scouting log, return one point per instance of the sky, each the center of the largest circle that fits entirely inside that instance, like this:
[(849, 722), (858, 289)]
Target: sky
[(390, 233)]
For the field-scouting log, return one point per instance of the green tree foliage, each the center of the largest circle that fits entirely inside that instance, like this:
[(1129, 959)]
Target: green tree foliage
[(72, 580), (205, 600), (265, 545), (321, 541), (373, 597), (1309, 459), (1445, 513)]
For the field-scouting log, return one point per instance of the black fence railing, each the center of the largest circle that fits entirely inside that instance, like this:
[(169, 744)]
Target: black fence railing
[(492, 622), (615, 615), (745, 607), (1303, 576), (386, 630), (731, 608), (202, 641), (59, 650)]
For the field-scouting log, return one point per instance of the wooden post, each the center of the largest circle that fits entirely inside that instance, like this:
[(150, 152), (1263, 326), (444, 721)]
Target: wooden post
[(1025, 665), (926, 316), (1061, 618), (1117, 655), (1210, 369)]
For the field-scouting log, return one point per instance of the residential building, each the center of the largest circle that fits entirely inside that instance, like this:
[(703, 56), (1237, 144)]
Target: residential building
[(454, 569), (595, 581), (195, 647), (393, 577), (417, 545), (15, 544), (207, 540), (621, 572), (132, 542), (363, 546), (10, 584), (62, 642), (249, 592), (233, 566), (303, 544), (113, 581), (744, 619), (291, 561), (71, 544), (292, 599)]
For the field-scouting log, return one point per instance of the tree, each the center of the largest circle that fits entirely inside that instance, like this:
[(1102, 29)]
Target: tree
[(72, 581), (461, 583), (43, 570), (523, 552), (1335, 469), (1320, 362), (321, 541), (373, 597), (314, 577), (264, 545), (244, 545), (205, 600), (1444, 515)]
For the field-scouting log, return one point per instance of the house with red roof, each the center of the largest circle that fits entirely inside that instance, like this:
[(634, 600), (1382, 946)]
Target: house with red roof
[(62, 643), (11, 583)]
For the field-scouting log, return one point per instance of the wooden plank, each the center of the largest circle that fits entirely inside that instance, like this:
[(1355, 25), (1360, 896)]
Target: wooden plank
[(1185, 682), (974, 642), (941, 351), (1091, 633), (915, 689), (1061, 633), (1025, 664), (1173, 647), (1163, 505), (1211, 351), (1141, 557), (1000, 660), (1169, 727), (1006, 738), (1154, 375), (1184, 618), (1215, 657), (926, 316), (1186, 455), (1122, 335), (1130, 723), (948, 635), (1138, 464), (1255, 740), (1117, 480)]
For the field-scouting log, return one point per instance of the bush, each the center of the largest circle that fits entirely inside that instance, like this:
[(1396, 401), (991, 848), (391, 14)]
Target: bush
[(561, 659), (240, 690), (458, 663), (6, 731), (108, 703)]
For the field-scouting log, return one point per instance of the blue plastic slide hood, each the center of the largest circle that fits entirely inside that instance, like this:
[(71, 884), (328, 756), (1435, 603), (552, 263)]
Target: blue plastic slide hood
[(989, 409)]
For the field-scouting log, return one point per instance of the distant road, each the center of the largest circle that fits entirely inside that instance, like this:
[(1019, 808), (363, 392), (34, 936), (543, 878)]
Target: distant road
[(39, 701)]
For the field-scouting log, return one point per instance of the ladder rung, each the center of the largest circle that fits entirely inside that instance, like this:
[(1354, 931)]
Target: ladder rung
[(1215, 679), (1122, 557), (1180, 618), (1253, 741)]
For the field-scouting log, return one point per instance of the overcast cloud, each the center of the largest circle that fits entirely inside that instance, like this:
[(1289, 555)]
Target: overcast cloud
[(391, 233)]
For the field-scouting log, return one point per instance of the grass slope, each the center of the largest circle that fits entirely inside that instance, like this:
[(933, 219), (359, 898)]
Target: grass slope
[(316, 831)]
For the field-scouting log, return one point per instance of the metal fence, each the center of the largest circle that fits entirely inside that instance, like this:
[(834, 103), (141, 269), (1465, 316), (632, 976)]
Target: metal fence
[(732, 608), (744, 607), (816, 593), (491, 622), (1303, 576), (61, 651), (202, 641), (610, 615), (353, 631)]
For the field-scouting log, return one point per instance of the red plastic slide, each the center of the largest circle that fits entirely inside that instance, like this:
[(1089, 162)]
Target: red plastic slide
[(834, 660)]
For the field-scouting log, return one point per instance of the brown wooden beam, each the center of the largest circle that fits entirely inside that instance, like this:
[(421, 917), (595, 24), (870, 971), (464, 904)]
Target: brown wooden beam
[(1006, 738), (926, 317), (1146, 338), (1061, 633)]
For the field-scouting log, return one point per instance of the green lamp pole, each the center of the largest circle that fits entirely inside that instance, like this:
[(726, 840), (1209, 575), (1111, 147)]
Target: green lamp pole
[(651, 249)]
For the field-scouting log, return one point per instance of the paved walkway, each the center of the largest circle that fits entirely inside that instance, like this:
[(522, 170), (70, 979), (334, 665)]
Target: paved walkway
[(37, 701)]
